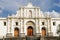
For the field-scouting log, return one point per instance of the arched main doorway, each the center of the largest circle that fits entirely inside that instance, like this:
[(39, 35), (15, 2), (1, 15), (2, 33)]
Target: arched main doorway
[(30, 28), (43, 31), (30, 31), (16, 32)]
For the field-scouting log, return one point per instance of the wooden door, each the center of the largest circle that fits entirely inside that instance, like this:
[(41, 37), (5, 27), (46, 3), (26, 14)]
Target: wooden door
[(43, 32), (16, 33), (30, 32)]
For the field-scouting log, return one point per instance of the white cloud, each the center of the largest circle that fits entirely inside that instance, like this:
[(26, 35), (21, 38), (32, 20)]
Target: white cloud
[(53, 14), (13, 5), (46, 4), (1, 11), (9, 4), (57, 4)]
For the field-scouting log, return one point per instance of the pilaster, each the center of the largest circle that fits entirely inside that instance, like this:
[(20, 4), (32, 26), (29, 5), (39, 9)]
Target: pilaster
[(9, 34)]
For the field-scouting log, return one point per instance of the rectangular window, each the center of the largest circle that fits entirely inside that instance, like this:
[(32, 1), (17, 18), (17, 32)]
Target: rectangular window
[(42, 23), (4, 23), (54, 23), (16, 23)]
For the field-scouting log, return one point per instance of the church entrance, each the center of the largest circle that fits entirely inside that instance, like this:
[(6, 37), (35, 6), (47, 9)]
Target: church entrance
[(16, 32), (43, 31), (30, 31), (30, 28)]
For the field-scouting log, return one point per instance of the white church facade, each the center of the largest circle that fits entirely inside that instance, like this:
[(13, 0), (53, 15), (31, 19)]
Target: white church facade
[(29, 21)]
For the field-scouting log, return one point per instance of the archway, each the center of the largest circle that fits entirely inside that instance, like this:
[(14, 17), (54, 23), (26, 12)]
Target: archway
[(30, 28), (16, 32), (43, 31), (30, 31)]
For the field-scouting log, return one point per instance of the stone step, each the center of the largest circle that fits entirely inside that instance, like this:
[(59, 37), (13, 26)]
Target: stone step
[(32, 38)]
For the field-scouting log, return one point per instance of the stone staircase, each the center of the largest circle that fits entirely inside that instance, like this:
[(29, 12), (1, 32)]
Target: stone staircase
[(14, 38), (32, 38)]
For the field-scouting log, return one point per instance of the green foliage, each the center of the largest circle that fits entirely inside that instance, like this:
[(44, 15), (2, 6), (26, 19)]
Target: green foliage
[(58, 31)]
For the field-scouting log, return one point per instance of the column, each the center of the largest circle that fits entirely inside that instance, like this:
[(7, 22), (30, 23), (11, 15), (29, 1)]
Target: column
[(22, 34), (47, 26), (37, 27), (9, 34), (19, 23), (50, 32), (38, 21)]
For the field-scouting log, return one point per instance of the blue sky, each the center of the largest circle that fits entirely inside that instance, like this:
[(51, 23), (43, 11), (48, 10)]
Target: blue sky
[(11, 6)]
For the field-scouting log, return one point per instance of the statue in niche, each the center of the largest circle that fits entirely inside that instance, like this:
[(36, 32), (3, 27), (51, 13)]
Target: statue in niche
[(30, 13)]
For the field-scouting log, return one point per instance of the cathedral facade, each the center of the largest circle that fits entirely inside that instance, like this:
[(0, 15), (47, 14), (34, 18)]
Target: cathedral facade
[(29, 21)]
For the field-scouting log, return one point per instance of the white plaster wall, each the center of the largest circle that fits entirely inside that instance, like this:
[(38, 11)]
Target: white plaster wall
[(3, 29), (14, 25), (54, 28), (40, 23)]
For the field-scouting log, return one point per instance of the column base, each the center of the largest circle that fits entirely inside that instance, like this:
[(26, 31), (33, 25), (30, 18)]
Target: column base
[(50, 34), (22, 34), (38, 34), (42, 38), (9, 35)]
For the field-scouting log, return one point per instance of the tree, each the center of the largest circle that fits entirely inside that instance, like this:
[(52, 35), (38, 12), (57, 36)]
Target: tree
[(58, 29)]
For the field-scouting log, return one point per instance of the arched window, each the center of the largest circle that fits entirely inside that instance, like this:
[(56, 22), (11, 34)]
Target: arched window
[(4, 23)]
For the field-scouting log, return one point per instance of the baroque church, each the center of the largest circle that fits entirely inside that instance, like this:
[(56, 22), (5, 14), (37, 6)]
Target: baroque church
[(29, 20)]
